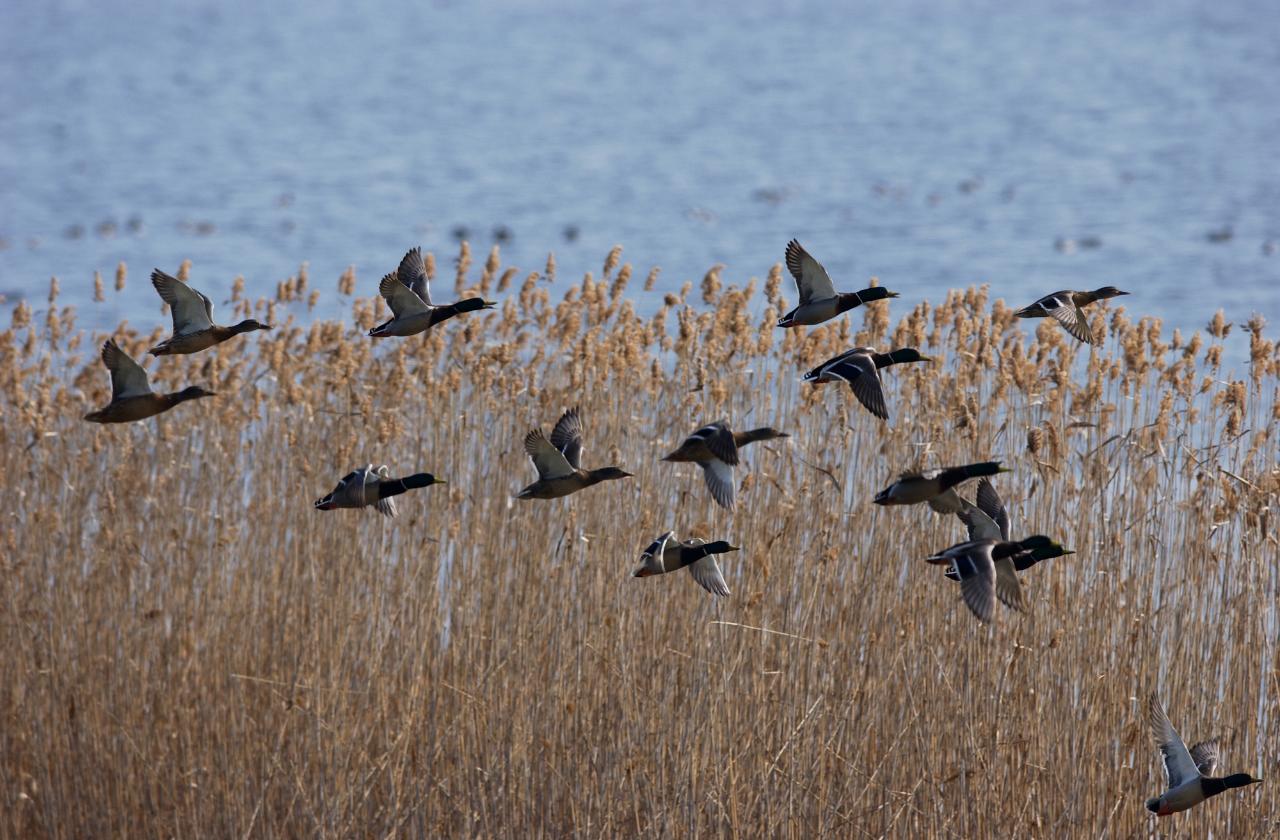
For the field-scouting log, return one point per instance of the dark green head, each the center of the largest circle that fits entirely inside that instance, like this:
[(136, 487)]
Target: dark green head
[(1236, 780), (472, 304), (419, 480), (876, 293), (249, 325), (908, 354), (720, 547)]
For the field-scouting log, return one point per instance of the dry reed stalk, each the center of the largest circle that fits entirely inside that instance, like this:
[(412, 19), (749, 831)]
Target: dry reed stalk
[(192, 650)]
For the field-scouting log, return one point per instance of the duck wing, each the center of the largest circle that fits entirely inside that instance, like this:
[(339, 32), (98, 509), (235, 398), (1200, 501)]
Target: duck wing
[(413, 273), (567, 437), (658, 548), (980, 525), (128, 379), (1063, 309), (370, 480), (401, 298), (1207, 756), (990, 503), (1179, 767), (860, 371), (977, 576), (192, 311), (947, 502), (718, 438), (719, 476), (1008, 590), (549, 461), (811, 278), (706, 572)]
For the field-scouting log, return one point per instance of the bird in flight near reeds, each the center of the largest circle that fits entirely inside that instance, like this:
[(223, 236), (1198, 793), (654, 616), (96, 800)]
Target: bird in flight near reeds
[(860, 367), (666, 554), (131, 394), (714, 447), (1067, 308), (408, 293), (931, 486), (819, 301), (558, 461), (373, 486), (193, 327), (1188, 774)]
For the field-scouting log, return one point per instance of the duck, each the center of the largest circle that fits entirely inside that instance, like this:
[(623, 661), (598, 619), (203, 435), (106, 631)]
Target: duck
[(131, 394), (408, 293), (714, 447), (666, 554), (989, 520), (1189, 774), (986, 571), (1067, 308), (193, 327), (373, 486), (819, 300), (558, 461), (860, 367), (931, 486)]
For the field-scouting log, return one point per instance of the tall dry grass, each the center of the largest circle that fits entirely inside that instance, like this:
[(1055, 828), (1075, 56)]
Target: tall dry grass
[(190, 650)]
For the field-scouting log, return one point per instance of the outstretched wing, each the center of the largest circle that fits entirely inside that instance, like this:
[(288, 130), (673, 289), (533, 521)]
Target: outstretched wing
[(718, 438), (567, 437), (1207, 756), (719, 476), (549, 461), (860, 371), (811, 278), (413, 273), (977, 582), (1008, 590), (192, 311), (401, 298), (128, 379), (1063, 309), (707, 573), (1178, 764), (989, 502), (948, 501)]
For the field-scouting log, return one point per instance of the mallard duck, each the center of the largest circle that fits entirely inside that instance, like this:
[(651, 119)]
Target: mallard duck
[(1033, 550), (558, 461), (665, 554), (193, 327), (819, 300), (408, 293), (1188, 773), (986, 571), (932, 485), (131, 394), (1067, 308), (989, 520), (373, 486), (860, 367), (715, 447)]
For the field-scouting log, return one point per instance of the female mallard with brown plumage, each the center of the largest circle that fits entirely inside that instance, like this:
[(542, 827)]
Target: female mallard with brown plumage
[(558, 461), (193, 327), (715, 447), (131, 394)]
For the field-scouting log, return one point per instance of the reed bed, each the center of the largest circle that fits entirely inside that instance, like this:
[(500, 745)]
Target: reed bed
[(190, 650)]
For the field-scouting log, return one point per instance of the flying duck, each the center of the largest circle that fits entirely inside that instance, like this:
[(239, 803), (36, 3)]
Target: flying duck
[(715, 447), (665, 554), (860, 367), (986, 571), (931, 486), (558, 461), (1189, 774), (819, 300), (131, 394), (1067, 308), (373, 486), (193, 327), (408, 293)]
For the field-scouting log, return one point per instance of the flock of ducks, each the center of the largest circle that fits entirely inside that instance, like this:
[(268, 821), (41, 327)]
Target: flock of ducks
[(986, 565)]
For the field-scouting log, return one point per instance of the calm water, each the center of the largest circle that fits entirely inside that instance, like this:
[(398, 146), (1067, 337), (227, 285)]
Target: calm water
[(932, 147)]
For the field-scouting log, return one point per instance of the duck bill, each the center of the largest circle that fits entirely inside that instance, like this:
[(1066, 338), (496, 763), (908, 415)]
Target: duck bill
[(643, 571), (324, 504)]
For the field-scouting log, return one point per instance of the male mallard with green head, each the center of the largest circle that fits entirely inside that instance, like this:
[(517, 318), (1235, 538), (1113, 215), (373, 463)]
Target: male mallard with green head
[(193, 327), (819, 300), (666, 554), (131, 394), (373, 486), (558, 461), (1067, 308), (860, 367), (714, 447), (1189, 774), (408, 293)]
